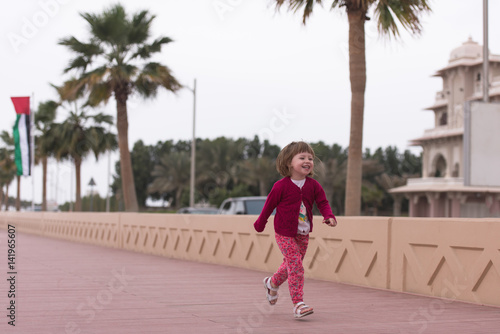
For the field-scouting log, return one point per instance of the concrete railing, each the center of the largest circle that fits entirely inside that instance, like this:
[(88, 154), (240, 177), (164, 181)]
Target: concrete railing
[(456, 259)]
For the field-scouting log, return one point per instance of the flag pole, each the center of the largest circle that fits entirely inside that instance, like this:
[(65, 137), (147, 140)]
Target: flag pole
[(193, 149), (32, 167), (71, 186)]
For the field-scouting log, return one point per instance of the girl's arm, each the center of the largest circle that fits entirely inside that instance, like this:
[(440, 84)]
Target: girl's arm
[(269, 206)]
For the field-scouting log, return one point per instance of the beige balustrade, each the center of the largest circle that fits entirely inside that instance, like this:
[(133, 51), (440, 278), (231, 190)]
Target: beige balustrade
[(455, 259)]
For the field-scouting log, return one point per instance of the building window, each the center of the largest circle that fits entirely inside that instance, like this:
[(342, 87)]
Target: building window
[(478, 77), (443, 120), (439, 166)]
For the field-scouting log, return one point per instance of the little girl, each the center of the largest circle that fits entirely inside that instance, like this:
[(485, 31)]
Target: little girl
[(293, 197)]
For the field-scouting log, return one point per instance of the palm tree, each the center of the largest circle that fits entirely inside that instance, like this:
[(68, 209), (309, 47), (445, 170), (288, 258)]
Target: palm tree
[(371, 194), (80, 134), (46, 140), (332, 175), (388, 182), (387, 15), (107, 65), (5, 180), (220, 161), (171, 175), (262, 172), (7, 166)]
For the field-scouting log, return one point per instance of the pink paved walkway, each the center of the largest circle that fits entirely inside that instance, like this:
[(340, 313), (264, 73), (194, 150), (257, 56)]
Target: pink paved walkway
[(64, 287)]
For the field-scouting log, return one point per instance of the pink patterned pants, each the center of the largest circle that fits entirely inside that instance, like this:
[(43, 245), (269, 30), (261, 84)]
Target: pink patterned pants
[(293, 250)]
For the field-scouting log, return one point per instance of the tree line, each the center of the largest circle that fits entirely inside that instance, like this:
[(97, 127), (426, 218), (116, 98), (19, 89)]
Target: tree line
[(225, 168), (228, 167)]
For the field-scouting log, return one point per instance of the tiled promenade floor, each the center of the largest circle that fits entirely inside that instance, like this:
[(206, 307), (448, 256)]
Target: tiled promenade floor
[(64, 287)]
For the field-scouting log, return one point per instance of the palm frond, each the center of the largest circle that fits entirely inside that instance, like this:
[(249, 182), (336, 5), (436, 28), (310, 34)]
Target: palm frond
[(97, 77), (99, 93), (111, 26), (154, 75), (71, 90), (147, 50), (86, 49), (102, 118), (100, 140), (389, 13), (46, 112), (140, 27), (296, 5), (78, 63), (7, 138)]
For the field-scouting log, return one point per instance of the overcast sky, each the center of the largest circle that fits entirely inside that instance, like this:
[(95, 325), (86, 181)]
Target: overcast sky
[(259, 72)]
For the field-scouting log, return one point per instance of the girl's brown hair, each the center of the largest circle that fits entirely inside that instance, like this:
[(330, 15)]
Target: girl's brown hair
[(286, 155)]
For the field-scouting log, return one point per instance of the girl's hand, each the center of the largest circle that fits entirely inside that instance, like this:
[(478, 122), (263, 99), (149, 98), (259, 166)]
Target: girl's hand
[(330, 222)]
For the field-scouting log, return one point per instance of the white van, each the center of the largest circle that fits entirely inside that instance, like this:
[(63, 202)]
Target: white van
[(251, 205)]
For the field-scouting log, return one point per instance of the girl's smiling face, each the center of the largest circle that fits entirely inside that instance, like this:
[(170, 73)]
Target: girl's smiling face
[(302, 165)]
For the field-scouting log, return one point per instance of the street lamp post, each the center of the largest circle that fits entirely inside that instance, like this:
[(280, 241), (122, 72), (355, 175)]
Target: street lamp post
[(486, 55), (193, 148), (91, 184), (109, 174)]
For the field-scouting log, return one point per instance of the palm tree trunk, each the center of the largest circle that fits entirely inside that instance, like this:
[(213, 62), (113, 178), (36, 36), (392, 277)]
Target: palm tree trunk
[(78, 201), (398, 199), (262, 187), (18, 198), (357, 69), (1, 197), (128, 185), (44, 186), (178, 196), (6, 198)]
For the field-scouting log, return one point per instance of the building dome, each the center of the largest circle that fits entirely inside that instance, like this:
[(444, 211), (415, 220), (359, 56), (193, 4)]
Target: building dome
[(468, 50)]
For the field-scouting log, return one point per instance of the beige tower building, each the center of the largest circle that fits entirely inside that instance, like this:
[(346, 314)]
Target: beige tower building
[(442, 191)]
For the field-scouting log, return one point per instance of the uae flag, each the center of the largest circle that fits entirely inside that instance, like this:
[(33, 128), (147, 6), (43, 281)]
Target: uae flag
[(22, 135)]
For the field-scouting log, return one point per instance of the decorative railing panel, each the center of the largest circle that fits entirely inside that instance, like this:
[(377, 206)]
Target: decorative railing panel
[(448, 258)]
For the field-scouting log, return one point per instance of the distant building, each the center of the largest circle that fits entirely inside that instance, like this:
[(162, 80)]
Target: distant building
[(442, 192)]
